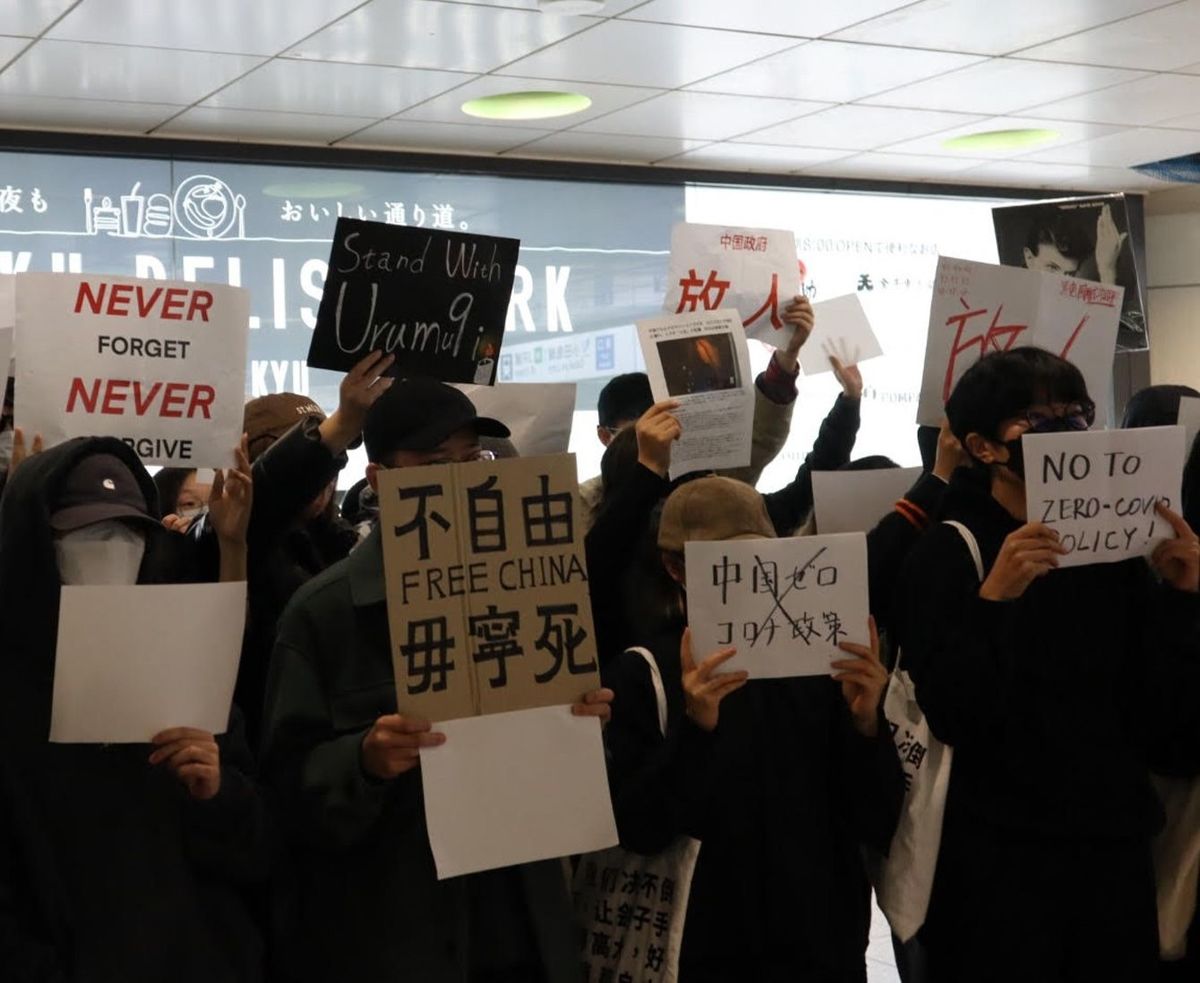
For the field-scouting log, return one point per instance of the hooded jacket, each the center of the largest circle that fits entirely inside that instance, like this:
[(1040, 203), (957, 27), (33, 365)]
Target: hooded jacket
[(109, 871)]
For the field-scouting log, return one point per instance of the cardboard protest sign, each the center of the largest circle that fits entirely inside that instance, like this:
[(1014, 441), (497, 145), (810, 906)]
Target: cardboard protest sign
[(753, 271), (702, 361), (487, 588), (1098, 489), (1189, 419), (842, 330), (170, 659), (157, 363), (979, 308), (538, 414), (855, 501), (512, 788), (785, 604), (1101, 238), (436, 299)]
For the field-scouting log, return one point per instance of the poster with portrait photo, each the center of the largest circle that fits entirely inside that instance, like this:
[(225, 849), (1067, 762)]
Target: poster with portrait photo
[(1101, 238), (702, 362)]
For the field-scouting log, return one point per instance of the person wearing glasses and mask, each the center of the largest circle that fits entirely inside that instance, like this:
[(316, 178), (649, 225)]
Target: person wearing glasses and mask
[(1059, 691), (343, 766)]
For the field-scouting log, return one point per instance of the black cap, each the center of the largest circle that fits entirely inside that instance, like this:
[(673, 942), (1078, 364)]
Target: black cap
[(99, 487), (418, 414)]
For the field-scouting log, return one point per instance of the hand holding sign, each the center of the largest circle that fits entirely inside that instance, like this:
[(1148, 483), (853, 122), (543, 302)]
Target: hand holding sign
[(1177, 560), (656, 431), (703, 687), (1030, 552), (362, 385), (848, 375), (799, 316), (193, 756), (231, 498), (20, 452), (863, 680), (393, 745)]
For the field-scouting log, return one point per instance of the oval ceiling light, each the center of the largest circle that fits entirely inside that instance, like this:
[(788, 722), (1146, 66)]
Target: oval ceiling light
[(571, 7), (527, 105), (1001, 140)]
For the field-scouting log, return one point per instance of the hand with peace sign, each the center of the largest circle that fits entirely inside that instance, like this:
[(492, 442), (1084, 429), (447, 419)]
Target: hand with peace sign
[(1177, 560), (703, 687)]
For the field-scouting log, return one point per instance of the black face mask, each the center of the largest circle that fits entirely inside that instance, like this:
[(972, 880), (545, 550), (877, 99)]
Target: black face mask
[(1016, 456)]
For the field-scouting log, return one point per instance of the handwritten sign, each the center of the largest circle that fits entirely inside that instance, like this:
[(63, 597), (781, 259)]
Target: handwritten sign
[(855, 501), (702, 361), (841, 330), (1099, 489), (486, 586), (159, 364), (115, 681), (435, 299), (753, 271), (785, 604), (979, 308)]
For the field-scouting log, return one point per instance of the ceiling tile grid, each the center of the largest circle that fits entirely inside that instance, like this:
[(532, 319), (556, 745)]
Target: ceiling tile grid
[(859, 88)]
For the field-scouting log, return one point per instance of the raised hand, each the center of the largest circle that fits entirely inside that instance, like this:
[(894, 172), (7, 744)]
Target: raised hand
[(657, 430), (863, 680), (703, 687)]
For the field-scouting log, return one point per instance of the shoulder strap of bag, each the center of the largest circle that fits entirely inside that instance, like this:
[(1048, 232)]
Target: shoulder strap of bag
[(972, 545), (660, 694)]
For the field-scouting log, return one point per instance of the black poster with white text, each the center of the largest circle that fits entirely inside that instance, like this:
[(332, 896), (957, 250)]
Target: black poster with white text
[(436, 299)]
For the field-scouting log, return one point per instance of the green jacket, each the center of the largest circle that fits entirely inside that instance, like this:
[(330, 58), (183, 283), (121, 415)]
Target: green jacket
[(368, 904)]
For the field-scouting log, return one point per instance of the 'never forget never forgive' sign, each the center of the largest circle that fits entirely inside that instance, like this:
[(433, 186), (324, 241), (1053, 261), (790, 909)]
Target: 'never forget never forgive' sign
[(436, 300), (158, 364), (1098, 490), (487, 588)]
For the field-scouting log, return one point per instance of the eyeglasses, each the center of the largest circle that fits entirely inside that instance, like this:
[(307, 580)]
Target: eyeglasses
[(1077, 416)]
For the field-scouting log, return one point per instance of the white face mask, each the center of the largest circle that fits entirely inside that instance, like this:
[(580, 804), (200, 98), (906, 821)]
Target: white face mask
[(6, 446), (105, 553), (193, 514)]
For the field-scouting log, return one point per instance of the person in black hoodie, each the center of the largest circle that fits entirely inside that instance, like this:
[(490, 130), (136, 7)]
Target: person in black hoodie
[(781, 780), (118, 863), (1059, 691)]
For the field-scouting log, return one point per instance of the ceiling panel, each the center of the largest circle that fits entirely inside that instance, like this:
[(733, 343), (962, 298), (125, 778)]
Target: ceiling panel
[(834, 71), (255, 28), (31, 17), (615, 149), (400, 134), (1003, 85), (755, 157), (904, 167), (1183, 122), (447, 108), (634, 53), (1024, 174), (810, 20), (1123, 148), (1160, 40), (250, 124), (611, 7), (1145, 102), (432, 34), (83, 114), (699, 116), (10, 48), (858, 127), (68, 69), (934, 144), (284, 85), (984, 27)]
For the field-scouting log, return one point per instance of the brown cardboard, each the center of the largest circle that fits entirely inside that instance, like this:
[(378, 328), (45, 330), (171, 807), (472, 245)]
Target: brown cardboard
[(503, 565)]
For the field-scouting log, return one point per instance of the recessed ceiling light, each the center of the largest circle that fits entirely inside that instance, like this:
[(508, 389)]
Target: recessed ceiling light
[(571, 6), (1001, 140), (527, 105)]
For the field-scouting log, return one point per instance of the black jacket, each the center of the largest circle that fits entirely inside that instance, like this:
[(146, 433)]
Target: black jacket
[(283, 553), (782, 794), (109, 871), (1058, 703)]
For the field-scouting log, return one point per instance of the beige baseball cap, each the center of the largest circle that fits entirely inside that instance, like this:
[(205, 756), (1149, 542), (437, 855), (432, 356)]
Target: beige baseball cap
[(713, 510)]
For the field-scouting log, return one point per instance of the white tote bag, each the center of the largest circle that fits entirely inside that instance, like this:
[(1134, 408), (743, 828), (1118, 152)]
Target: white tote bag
[(904, 879), (1177, 862), (632, 907)]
